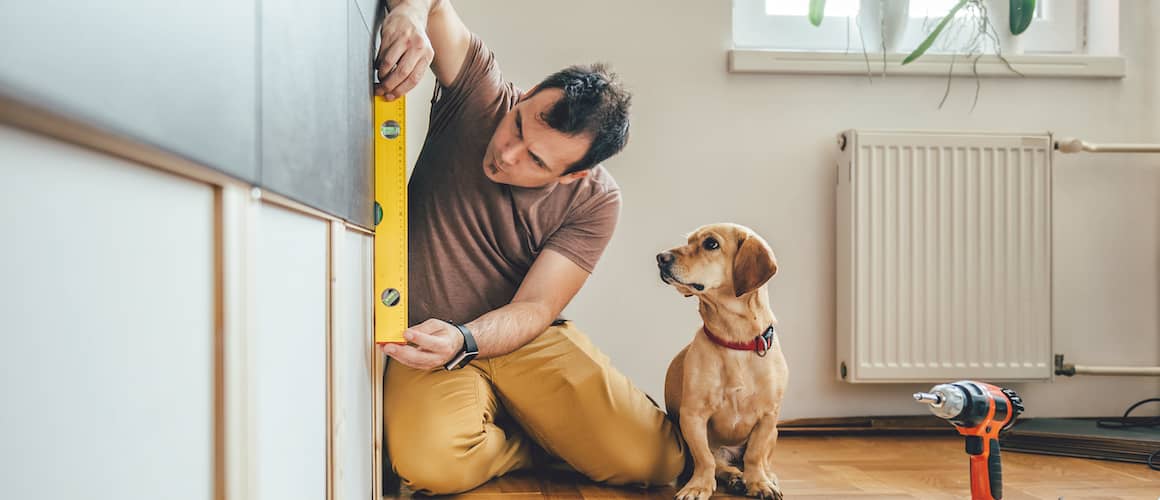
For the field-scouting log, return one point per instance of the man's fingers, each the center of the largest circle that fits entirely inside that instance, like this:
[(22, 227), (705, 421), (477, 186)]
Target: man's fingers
[(413, 80), (403, 77), (381, 69), (430, 326), (389, 56), (426, 341), (412, 356)]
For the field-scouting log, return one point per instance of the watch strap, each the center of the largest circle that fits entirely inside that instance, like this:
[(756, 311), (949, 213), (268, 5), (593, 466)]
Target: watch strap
[(469, 351)]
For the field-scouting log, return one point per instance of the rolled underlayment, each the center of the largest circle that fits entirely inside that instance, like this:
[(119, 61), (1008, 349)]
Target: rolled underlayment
[(1133, 440)]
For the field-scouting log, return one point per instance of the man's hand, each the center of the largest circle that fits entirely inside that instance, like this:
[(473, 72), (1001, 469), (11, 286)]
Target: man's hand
[(404, 51), (431, 344)]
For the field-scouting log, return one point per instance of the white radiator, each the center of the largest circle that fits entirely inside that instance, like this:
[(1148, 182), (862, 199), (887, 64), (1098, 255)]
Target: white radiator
[(943, 256)]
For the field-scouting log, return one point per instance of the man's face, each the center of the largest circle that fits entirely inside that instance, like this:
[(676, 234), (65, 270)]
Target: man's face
[(524, 151)]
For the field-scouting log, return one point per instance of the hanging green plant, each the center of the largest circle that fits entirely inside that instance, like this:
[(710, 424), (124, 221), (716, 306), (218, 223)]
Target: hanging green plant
[(922, 47), (1019, 19), (982, 33), (817, 11), (1022, 11)]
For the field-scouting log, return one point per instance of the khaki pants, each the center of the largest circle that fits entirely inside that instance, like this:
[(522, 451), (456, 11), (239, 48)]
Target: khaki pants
[(448, 432)]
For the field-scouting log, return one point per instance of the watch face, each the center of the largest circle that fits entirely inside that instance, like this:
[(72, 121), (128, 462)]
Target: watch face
[(466, 358), (461, 360), (456, 362)]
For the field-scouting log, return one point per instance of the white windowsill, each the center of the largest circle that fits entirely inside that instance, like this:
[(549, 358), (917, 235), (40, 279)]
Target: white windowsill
[(854, 63)]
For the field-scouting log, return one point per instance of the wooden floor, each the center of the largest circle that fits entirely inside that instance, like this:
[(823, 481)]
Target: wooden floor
[(883, 467)]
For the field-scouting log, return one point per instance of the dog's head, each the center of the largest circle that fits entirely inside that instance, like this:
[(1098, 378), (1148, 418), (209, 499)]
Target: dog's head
[(718, 259)]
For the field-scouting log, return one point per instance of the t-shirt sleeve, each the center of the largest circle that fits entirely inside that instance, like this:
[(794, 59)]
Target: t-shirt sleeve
[(585, 234), (477, 93)]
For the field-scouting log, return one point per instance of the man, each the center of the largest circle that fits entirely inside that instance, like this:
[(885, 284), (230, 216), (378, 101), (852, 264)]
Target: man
[(509, 211)]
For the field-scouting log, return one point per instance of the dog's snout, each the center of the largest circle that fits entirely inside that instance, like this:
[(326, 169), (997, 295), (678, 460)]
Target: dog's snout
[(664, 258)]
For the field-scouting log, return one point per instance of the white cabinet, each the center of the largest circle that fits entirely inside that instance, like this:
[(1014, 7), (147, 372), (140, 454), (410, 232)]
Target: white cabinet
[(177, 336), (106, 327)]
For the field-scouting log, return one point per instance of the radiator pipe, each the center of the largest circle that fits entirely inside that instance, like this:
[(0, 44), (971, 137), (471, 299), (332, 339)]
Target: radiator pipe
[(1073, 145), (1070, 369)]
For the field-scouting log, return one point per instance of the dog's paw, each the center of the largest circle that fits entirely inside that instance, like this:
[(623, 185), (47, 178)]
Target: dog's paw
[(697, 490), (772, 477), (736, 485), (762, 488), (732, 478)]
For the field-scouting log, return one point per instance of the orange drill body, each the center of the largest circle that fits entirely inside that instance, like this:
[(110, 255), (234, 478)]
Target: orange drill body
[(980, 412)]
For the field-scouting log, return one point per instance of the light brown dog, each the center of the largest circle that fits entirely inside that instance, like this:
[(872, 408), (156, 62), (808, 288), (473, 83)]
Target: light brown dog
[(727, 384)]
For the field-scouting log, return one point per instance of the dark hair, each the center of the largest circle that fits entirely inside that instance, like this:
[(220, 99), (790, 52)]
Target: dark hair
[(594, 103)]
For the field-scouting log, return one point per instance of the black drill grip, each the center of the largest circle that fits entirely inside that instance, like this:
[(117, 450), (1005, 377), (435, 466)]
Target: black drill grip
[(995, 470), (986, 473)]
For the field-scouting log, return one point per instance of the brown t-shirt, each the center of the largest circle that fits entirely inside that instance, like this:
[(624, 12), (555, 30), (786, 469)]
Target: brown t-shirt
[(472, 241)]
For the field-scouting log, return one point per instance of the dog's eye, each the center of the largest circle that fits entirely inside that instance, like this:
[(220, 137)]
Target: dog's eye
[(710, 244)]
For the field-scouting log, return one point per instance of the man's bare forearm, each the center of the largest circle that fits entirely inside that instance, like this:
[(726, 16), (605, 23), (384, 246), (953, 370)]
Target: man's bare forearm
[(510, 327)]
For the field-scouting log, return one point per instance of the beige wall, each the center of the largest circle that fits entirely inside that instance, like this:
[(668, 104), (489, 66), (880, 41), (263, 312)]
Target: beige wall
[(712, 146)]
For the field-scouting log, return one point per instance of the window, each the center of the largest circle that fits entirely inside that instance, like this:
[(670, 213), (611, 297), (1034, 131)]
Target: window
[(783, 25)]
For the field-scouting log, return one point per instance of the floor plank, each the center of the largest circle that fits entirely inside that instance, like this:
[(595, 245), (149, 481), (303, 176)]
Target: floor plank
[(878, 467)]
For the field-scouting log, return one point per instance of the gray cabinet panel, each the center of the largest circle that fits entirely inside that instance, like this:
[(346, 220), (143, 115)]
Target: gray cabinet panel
[(293, 116), (304, 102), (178, 75), (360, 202)]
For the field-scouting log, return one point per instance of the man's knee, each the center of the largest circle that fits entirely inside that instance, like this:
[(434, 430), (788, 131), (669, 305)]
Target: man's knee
[(433, 448), (434, 460), (440, 456), (437, 471)]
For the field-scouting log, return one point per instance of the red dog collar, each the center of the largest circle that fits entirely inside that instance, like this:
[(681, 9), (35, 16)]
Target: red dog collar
[(760, 344)]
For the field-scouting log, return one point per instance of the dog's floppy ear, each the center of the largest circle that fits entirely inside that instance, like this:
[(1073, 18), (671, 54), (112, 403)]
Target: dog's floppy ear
[(753, 265)]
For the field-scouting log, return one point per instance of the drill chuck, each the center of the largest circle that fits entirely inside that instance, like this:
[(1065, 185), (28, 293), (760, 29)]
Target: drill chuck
[(945, 400)]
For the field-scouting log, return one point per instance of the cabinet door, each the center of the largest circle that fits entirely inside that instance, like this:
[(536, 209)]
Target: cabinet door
[(353, 367), (288, 355), (107, 324)]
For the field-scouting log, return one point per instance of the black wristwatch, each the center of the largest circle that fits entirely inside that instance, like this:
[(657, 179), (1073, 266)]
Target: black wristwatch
[(469, 352)]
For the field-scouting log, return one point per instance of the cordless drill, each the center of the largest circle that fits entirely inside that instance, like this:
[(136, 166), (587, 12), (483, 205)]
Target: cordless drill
[(978, 411)]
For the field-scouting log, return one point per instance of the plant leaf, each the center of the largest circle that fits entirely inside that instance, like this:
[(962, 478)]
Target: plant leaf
[(817, 11), (922, 47), (1022, 11)]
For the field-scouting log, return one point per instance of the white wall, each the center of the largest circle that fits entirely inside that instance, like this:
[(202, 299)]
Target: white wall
[(711, 146)]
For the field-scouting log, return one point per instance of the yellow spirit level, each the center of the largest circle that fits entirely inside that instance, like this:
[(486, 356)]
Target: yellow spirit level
[(390, 259)]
